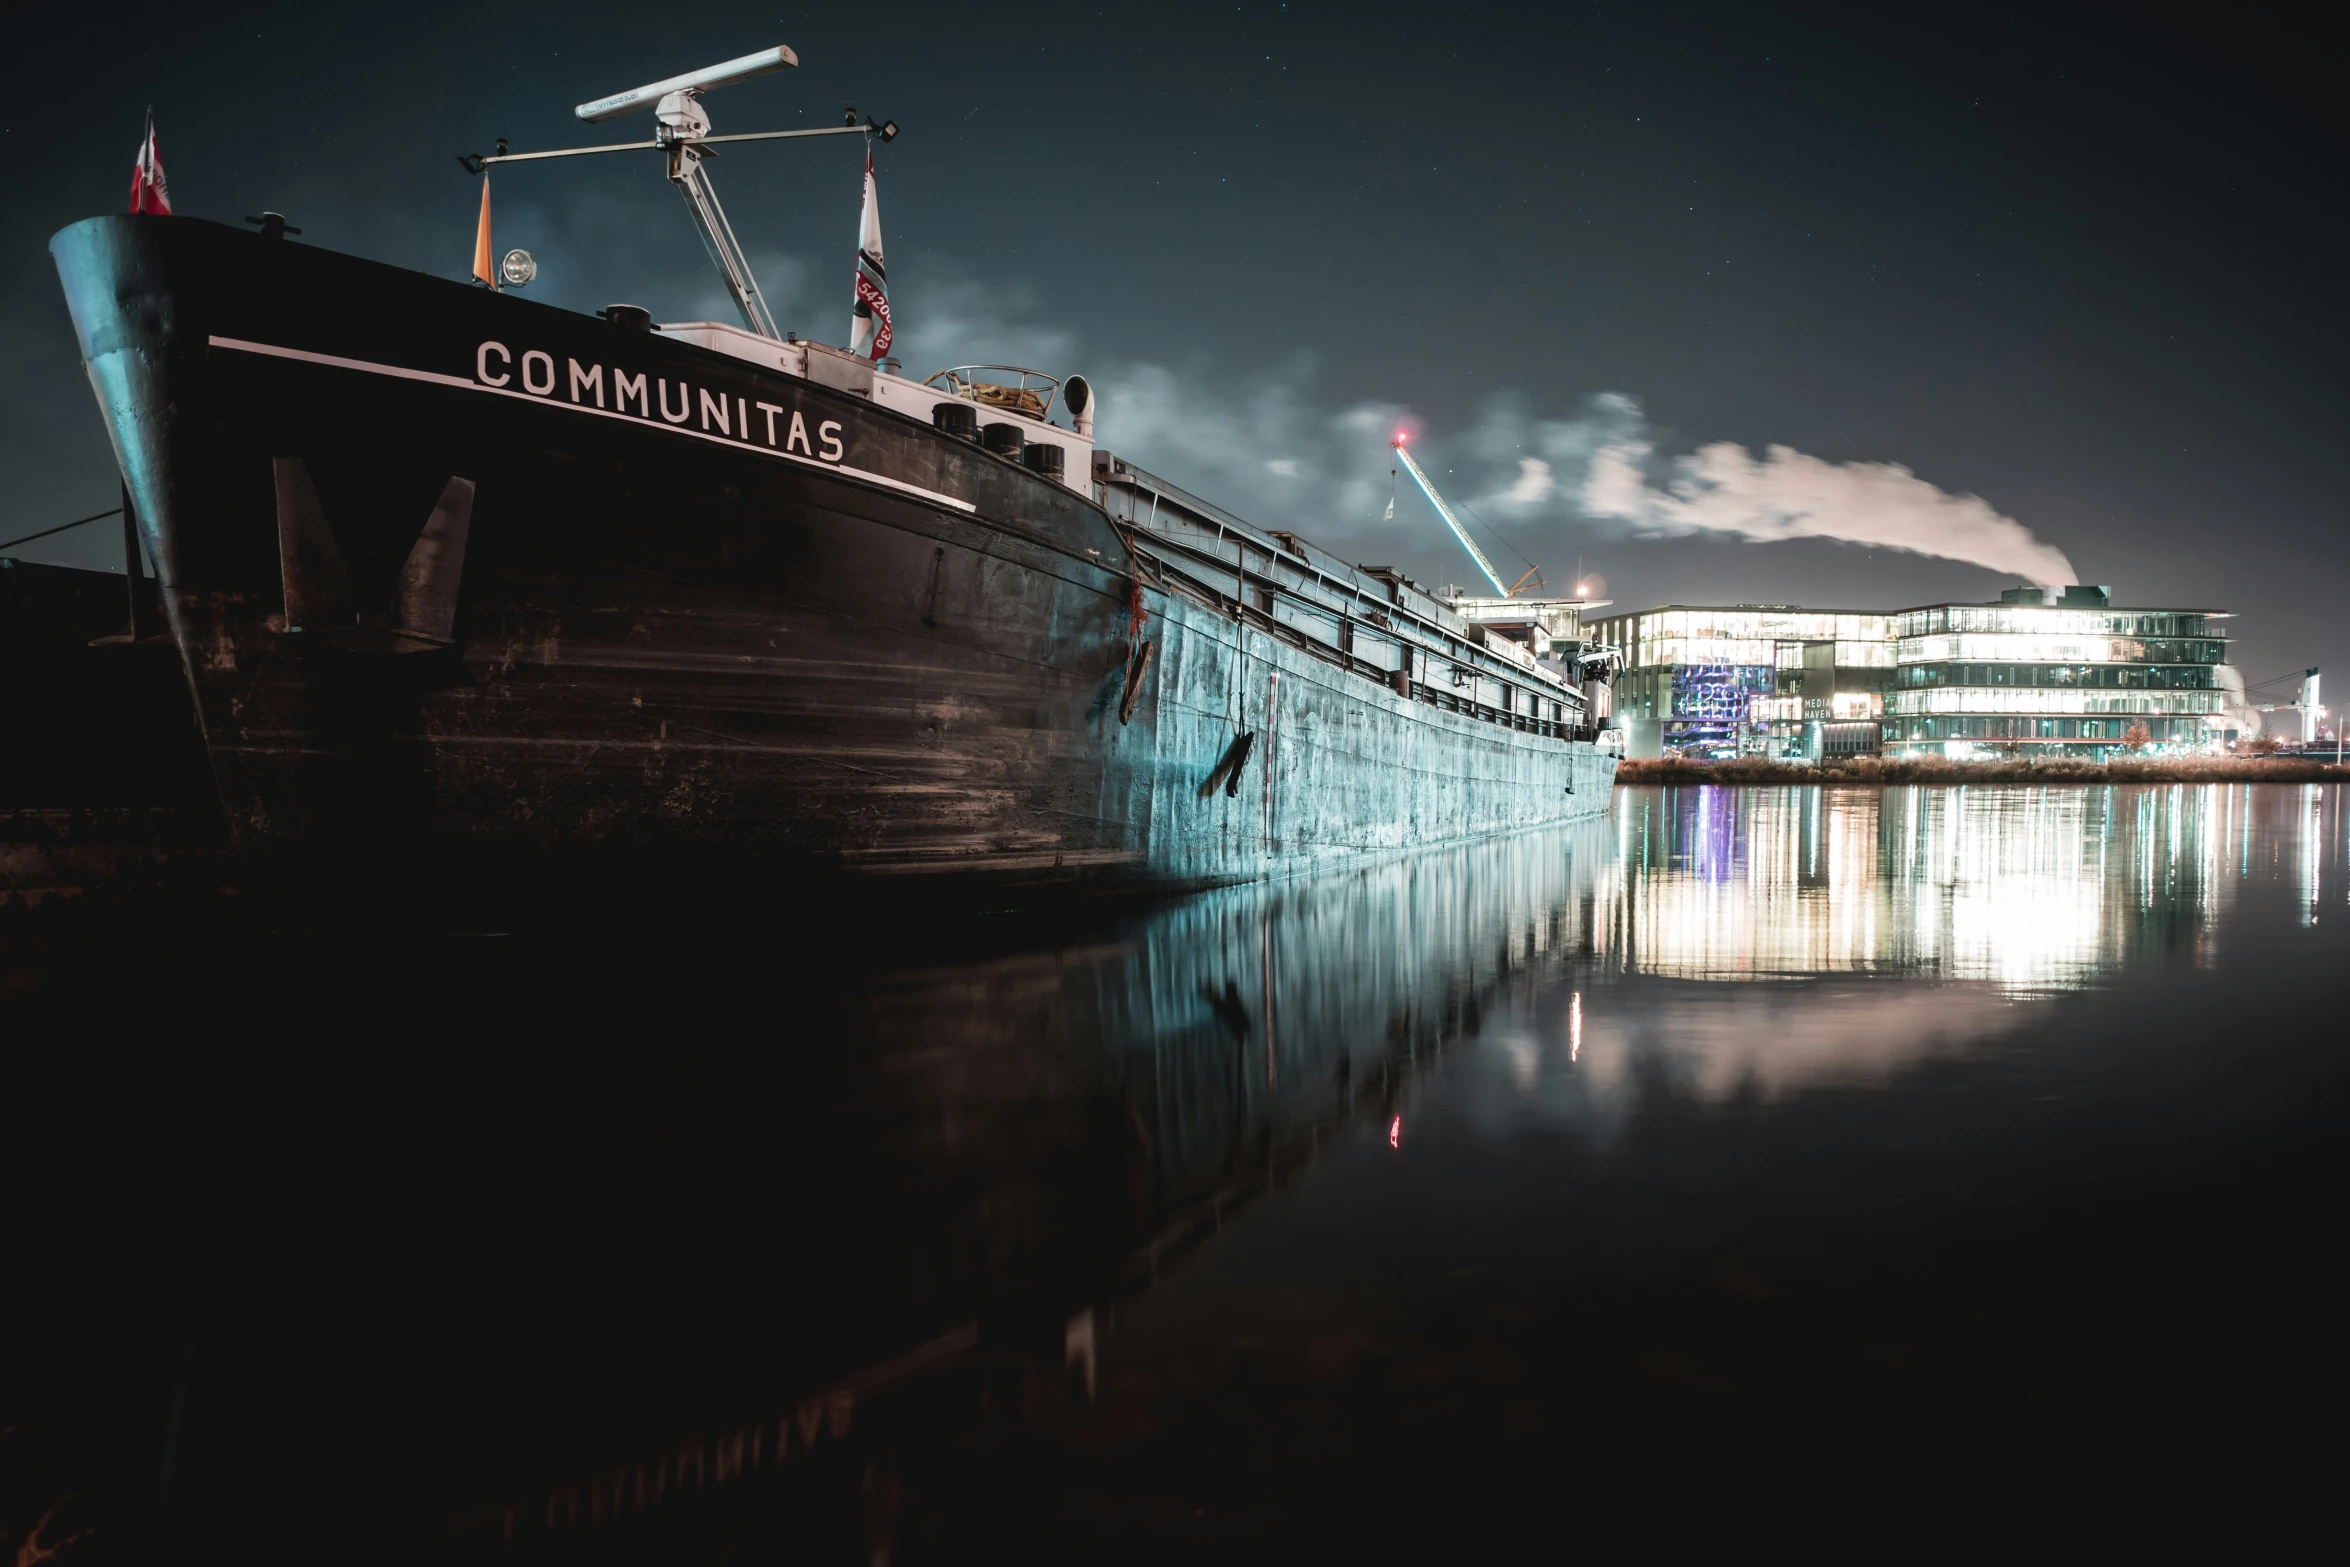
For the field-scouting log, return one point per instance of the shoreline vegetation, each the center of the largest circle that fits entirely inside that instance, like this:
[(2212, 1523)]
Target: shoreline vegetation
[(1868, 771)]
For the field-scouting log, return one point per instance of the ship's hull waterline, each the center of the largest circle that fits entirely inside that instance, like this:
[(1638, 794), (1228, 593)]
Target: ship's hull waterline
[(776, 621)]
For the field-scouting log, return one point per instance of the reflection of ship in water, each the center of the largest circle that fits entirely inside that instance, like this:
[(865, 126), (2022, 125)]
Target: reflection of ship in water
[(1042, 1134), (712, 1289), (2028, 889)]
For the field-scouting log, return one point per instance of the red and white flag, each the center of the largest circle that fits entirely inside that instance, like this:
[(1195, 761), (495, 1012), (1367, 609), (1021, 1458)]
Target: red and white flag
[(869, 329), (149, 192)]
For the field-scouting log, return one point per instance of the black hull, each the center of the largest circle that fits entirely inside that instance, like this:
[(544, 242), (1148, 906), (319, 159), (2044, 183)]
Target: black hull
[(824, 633)]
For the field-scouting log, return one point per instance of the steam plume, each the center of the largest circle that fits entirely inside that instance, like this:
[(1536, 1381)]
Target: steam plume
[(1273, 446), (1722, 488)]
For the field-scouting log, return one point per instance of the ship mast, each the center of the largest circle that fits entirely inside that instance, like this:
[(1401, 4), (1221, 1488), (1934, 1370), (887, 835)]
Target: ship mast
[(684, 123), (684, 135)]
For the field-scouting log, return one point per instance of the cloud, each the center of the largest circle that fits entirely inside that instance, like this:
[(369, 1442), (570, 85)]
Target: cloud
[(1534, 484), (961, 321), (1264, 445), (1723, 488), (1247, 441), (1516, 470), (1270, 442)]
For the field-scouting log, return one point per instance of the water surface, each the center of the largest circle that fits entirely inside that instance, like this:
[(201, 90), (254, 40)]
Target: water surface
[(1280, 1217)]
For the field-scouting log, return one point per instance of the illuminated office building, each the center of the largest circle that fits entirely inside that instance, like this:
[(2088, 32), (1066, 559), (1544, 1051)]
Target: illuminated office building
[(2057, 671), (1769, 679)]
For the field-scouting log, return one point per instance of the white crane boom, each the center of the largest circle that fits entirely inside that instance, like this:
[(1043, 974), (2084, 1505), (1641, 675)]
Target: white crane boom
[(1451, 520)]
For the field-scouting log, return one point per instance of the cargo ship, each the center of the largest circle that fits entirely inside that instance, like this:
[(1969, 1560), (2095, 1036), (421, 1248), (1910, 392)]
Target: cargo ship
[(455, 573)]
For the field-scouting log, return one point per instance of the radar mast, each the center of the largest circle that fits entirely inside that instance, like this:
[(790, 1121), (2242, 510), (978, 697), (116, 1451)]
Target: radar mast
[(683, 135)]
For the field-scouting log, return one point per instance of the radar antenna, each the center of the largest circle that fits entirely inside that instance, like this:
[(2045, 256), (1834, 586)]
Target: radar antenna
[(683, 135)]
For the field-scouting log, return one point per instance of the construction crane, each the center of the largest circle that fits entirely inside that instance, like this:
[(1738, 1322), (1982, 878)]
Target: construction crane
[(1459, 530)]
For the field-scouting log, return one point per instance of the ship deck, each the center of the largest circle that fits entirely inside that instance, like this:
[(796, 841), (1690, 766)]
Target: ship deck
[(1370, 622)]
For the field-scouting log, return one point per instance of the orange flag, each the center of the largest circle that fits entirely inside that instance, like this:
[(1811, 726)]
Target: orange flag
[(481, 241)]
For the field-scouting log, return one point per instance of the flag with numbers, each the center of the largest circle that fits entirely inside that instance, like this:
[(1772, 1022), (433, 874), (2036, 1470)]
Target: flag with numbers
[(869, 328)]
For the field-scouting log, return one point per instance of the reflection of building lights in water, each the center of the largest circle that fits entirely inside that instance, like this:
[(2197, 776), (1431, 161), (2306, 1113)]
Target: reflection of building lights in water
[(1395, 1132), (2029, 889), (2312, 841), (1995, 897)]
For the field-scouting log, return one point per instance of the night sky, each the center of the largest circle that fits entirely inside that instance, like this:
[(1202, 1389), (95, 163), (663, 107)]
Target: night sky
[(2083, 263)]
